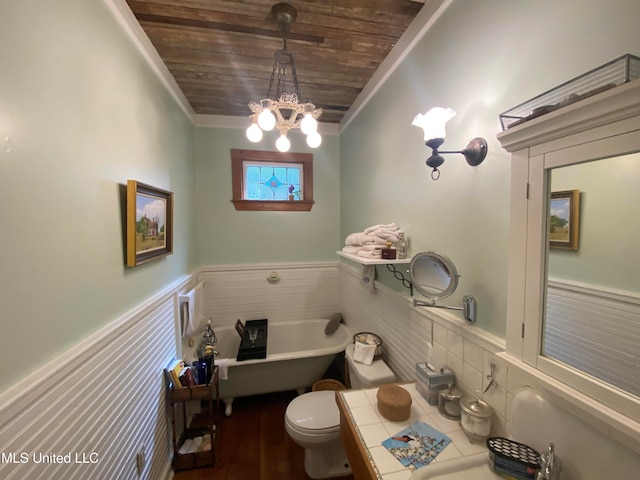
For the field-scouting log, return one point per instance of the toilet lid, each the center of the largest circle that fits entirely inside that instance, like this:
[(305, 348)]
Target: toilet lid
[(314, 411)]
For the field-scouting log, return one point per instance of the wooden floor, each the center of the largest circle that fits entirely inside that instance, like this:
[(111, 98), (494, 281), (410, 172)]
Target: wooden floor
[(253, 444)]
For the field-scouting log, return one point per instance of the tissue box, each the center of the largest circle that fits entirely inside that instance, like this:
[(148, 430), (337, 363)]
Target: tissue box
[(429, 383)]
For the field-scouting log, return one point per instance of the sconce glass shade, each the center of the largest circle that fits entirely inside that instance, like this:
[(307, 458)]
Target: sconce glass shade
[(433, 122)]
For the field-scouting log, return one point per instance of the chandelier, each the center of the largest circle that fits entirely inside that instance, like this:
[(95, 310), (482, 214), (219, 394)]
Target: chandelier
[(282, 108)]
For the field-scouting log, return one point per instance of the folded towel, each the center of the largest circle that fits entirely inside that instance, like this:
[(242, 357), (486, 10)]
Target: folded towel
[(386, 235), (363, 353), (193, 311), (223, 367), (367, 254), (352, 249), (389, 226), (368, 277), (358, 238), (371, 248)]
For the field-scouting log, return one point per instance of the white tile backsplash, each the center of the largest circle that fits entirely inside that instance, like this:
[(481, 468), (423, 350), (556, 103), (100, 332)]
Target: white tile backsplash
[(440, 334), (500, 371), (455, 344), (473, 354), (472, 378), (497, 398)]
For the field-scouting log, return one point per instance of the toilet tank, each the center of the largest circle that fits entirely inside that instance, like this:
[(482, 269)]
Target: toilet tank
[(366, 376)]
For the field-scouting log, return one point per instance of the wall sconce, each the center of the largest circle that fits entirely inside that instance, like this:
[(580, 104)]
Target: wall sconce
[(433, 123)]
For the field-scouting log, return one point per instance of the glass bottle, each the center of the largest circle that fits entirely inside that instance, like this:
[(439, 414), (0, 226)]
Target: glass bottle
[(207, 351), (401, 246)]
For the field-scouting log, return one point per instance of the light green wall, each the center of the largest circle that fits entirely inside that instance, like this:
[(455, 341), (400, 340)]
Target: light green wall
[(480, 58), (608, 247), (80, 113), (227, 236)]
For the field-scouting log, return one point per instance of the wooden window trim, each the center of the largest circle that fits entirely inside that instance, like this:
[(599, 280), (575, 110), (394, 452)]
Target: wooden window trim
[(238, 156)]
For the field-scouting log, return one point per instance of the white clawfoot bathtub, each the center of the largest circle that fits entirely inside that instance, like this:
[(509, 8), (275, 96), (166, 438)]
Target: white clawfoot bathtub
[(298, 354)]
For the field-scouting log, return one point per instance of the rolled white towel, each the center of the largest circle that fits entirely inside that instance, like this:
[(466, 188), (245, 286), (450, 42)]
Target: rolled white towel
[(197, 441), (352, 249), (187, 447), (363, 353), (388, 226)]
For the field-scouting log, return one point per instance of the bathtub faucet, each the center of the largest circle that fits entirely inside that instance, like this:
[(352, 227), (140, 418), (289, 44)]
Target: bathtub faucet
[(209, 337)]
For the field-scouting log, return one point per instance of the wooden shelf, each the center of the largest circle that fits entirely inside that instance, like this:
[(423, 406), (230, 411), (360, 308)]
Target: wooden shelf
[(180, 396), (372, 261)]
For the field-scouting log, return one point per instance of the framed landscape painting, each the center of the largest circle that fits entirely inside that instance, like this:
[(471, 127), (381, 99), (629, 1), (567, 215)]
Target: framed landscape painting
[(149, 223), (564, 219)]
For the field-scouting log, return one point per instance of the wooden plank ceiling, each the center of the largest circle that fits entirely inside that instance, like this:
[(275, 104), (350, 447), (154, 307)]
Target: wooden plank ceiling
[(220, 52)]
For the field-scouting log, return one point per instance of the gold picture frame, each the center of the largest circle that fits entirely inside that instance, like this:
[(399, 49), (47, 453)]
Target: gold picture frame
[(564, 219), (149, 223)]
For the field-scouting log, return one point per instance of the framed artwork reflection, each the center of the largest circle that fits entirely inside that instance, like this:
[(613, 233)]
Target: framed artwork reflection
[(564, 219), (149, 223)]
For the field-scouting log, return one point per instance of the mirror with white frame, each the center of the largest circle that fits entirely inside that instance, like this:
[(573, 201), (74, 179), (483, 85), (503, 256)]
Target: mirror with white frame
[(600, 132), (592, 294)]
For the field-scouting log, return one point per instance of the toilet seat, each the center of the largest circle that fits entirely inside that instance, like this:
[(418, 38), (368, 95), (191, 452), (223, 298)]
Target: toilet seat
[(314, 413)]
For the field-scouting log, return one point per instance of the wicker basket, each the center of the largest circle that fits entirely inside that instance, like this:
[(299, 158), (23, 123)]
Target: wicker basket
[(327, 384), (394, 402)]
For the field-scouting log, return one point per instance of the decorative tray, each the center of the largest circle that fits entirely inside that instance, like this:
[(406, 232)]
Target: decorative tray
[(616, 72)]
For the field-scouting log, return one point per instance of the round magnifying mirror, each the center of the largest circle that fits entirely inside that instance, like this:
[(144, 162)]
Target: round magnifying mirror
[(433, 275)]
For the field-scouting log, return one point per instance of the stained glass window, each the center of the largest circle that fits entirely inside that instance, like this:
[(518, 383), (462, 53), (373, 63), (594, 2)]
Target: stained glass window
[(271, 181), (275, 181)]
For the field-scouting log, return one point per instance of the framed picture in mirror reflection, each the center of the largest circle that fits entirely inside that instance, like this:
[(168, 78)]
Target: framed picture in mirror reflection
[(564, 219)]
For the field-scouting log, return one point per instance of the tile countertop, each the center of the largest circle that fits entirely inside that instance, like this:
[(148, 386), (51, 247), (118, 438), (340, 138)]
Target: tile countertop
[(372, 428)]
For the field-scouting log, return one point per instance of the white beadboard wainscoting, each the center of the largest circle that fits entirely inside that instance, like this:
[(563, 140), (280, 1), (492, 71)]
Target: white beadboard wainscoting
[(101, 403), (595, 330), (299, 291)]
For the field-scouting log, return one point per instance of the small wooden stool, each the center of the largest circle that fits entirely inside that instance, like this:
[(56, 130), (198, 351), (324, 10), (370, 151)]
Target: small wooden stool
[(394, 402)]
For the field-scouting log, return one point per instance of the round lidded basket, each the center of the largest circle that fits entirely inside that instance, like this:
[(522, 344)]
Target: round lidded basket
[(327, 384), (394, 402), (369, 338)]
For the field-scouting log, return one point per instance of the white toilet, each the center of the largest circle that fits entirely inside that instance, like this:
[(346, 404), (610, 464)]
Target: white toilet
[(312, 420)]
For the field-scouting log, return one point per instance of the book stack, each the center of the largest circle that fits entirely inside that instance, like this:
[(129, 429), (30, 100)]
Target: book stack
[(181, 375)]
